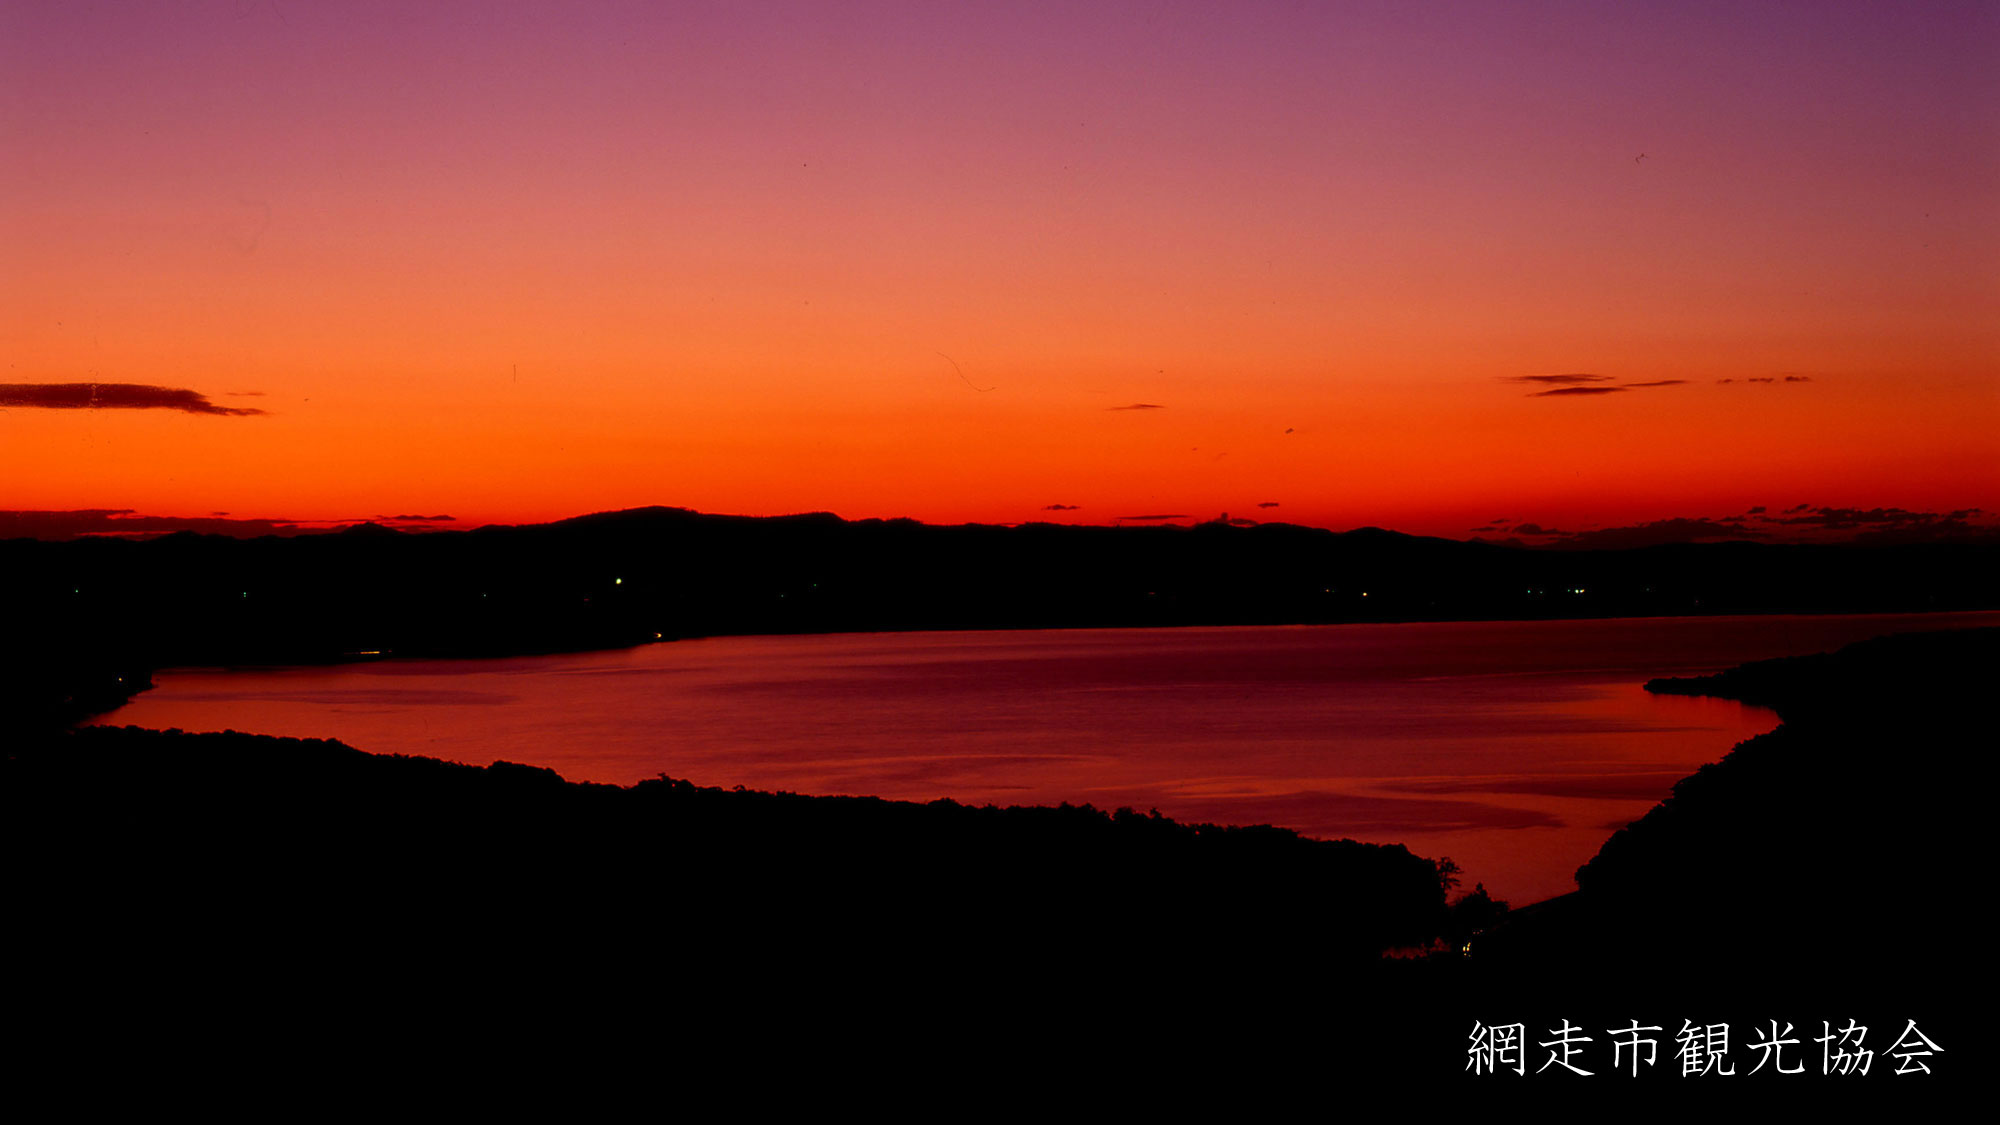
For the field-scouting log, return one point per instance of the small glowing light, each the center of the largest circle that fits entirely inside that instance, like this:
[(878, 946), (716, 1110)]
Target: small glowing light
[(617, 581)]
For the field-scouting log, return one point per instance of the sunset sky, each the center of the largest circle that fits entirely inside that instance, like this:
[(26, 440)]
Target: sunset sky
[(520, 261)]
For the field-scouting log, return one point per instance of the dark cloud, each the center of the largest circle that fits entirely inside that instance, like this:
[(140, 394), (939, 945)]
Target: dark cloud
[(1582, 384), (1847, 519), (1887, 525), (1267, 503), (1801, 524), (1138, 406), (1558, 380), (1770, 379), (1059, 507), (417, 519), (111, 396)]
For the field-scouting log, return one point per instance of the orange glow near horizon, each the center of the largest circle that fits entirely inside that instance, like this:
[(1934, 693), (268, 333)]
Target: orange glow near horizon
[(888, 264)]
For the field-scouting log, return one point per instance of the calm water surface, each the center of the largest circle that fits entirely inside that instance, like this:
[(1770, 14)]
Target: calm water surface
[(1516, 748)]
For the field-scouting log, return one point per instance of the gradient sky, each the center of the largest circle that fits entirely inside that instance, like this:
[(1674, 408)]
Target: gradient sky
[(518, 261)]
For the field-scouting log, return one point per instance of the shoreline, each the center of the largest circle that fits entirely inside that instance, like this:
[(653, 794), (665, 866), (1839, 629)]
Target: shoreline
[(180, 857), (1473, 837)]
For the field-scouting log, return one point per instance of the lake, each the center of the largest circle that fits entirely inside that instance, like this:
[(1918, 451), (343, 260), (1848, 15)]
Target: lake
[(1515, 748)]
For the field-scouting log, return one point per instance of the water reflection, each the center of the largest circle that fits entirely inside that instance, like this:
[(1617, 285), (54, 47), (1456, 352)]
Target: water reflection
[(1513, 747)]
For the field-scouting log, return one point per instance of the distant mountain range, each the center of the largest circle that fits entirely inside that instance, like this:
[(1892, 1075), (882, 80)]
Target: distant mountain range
[(629, 577)]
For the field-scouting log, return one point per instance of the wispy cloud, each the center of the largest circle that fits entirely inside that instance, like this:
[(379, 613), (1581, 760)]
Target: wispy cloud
[(112, 396), (1060, 507), (1559, 380), (1138, 406), (1580, 384)]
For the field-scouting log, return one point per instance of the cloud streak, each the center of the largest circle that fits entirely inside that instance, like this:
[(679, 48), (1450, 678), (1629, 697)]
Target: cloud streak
[(1577, 385), (1559, 380), (1138, 406), (112, 396)]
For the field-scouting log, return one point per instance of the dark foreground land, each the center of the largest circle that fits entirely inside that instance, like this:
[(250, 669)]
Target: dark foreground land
[(1846, 837), (1828, 871), (280, 907)]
